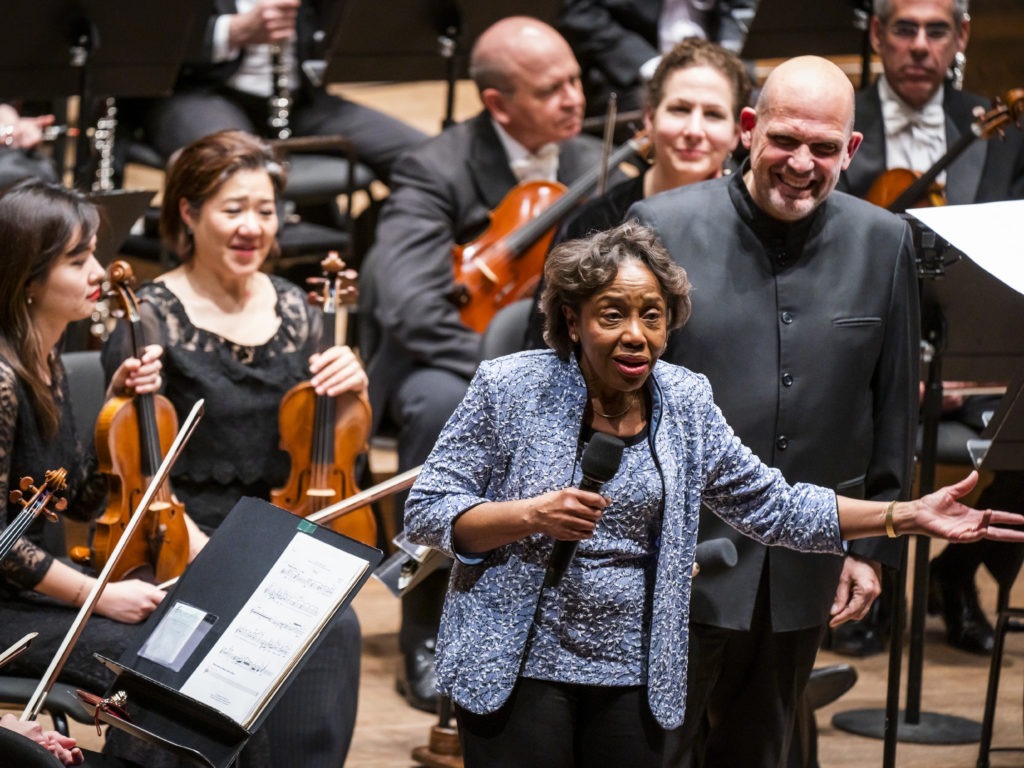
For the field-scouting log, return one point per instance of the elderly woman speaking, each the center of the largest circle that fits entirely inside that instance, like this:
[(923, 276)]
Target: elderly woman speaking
[(589, 669)]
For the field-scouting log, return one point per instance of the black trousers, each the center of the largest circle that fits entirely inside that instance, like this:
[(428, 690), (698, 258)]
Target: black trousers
[(183, 117), (744, 694), (558, 725)]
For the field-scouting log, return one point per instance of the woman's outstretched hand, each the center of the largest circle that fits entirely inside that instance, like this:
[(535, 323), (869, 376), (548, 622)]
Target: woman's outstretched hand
[(940, 514)]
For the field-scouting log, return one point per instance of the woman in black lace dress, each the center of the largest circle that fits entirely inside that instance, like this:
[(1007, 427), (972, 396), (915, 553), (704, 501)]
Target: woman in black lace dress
[(49, 278), (240, 339)]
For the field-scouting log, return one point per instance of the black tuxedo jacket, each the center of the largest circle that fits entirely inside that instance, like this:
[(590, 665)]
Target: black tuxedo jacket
[(442, 193), (613, 38), (987, 171), (811, 344)]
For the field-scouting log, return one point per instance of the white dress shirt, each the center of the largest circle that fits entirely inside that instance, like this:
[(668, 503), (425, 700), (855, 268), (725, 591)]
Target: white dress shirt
[(541, 165), (256, 73), (914, 138)]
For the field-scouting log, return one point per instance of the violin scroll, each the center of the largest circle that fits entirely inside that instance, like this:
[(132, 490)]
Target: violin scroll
[(1007, 109), (108, 310), (55, 481), (337, 287)]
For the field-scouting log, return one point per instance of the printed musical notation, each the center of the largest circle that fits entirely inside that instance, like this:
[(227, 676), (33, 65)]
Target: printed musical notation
[(280, 620)]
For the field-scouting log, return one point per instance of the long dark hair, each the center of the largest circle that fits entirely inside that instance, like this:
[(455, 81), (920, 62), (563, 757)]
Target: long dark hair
[(39, 223)]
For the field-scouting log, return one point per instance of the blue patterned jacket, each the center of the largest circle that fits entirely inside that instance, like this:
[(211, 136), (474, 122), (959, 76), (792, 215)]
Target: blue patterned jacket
[(517, 434)]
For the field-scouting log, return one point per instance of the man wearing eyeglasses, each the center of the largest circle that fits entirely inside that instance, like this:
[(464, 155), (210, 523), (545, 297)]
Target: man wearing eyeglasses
[(910, 117), (913, 114)]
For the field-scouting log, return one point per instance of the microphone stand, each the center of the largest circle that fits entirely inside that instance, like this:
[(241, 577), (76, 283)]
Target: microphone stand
[(35, 704)]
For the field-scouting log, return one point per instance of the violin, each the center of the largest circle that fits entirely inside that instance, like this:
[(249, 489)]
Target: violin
[(325, 435), (505, 262), (898, 188), (132, 436), (55, 481)]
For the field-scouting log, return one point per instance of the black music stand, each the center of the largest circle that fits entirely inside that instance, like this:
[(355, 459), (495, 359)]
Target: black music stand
[(119, 210), (1001, 444), (967, 318), (88, 48), (242, 556), (417, 39)]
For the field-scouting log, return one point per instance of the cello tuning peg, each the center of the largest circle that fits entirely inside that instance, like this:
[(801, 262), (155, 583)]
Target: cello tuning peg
[(26, 484), (61, 504), (16, 497)]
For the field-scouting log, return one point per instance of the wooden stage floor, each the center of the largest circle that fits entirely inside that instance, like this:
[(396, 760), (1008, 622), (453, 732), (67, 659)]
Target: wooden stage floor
[(387, 729)]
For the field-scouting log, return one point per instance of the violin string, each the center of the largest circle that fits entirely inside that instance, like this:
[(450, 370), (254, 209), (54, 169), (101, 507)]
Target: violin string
[(21, 523)]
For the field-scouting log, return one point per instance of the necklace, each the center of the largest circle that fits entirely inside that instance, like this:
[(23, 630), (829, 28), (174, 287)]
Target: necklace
[(623, 412)]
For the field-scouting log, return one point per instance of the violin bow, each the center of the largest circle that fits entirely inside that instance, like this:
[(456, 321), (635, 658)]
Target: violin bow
[(368, 496), (35, 704), (608, 142), (353, 502)]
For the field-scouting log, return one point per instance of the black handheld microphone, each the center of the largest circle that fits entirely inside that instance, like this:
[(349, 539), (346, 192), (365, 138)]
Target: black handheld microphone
[(600, 462), (714, 556)]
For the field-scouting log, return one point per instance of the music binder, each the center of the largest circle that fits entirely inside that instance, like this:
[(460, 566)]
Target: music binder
[(207, 666)]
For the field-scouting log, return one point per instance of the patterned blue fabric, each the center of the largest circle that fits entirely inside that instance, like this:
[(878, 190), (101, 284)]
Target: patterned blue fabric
[(517, 435), (607, 585)]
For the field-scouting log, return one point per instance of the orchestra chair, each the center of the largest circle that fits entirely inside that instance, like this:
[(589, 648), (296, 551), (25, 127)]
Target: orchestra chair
[(60, 703), (18, 750), (87, 384), (506, 333), (384, 441)]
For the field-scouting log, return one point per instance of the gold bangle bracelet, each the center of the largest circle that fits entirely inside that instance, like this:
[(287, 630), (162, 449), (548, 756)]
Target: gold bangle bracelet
[(890, 528)]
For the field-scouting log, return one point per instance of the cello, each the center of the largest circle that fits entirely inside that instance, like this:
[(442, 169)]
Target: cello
[(324, 435), (898, 188), (132, 436), (505, 262)]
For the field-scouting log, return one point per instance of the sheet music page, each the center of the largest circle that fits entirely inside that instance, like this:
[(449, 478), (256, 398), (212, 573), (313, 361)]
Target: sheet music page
[(271, 631), (985, 232)]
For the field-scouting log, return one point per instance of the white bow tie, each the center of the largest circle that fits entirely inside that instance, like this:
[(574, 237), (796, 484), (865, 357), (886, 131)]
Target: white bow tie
[(899, 117), (542, 165)]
